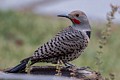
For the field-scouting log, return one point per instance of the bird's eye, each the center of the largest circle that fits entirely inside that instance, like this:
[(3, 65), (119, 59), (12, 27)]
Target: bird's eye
[(77, 15)]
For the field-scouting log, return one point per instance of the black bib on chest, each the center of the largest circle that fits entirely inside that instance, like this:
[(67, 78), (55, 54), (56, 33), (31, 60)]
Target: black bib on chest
[(88, 33)]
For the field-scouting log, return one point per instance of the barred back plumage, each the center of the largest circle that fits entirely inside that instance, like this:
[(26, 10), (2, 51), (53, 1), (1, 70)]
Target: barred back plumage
[(66, 46)]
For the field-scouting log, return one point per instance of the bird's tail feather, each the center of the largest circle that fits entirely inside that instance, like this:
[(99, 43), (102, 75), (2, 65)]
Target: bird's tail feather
[(20, 67)]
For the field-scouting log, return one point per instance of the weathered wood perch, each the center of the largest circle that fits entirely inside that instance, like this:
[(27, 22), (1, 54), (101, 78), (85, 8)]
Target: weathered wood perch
[(81, 74)]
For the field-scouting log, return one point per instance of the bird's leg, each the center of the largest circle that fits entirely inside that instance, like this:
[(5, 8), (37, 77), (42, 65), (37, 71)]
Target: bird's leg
[(58, 67)]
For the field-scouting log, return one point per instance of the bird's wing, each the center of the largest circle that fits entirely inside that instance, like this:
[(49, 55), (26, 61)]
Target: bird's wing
[(63, 43)]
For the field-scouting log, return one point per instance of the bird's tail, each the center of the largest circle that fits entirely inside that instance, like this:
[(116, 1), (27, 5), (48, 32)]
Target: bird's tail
[(20, 67)]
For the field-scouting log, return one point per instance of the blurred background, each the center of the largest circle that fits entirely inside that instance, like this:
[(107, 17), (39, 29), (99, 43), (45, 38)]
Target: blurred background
[(27, 24)]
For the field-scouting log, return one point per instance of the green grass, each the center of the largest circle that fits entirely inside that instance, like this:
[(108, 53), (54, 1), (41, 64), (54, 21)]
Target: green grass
[(21, 34)]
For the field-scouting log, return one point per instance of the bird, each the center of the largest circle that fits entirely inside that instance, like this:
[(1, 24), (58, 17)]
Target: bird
[(66, 45)]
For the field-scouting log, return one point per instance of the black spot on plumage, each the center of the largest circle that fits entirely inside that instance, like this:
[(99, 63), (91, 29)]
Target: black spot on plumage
[(71, 50), (55, 39), (76, 45), (58, 43), (47, 43), (70, 36), (64, 48), (78, 49), (60, 50), (77, 36), (55, 44), (51, 40), (66, 44), (69, 33), (41, 51), (66, 37), (59, 39), (51, 44), (55, 52), (45, 47), (74, 36), (36, 50), (62, 38), (81, 35), (51, 50), (72, 45), (63, 43), (41, 47), (67, 58), (46, 50), (69, 45)]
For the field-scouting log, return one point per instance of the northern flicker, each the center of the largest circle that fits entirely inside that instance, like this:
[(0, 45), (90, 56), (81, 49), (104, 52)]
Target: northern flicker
[(66, 46)]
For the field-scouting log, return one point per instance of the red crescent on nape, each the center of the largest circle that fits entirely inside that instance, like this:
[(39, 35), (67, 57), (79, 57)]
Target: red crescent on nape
[(76, 21)]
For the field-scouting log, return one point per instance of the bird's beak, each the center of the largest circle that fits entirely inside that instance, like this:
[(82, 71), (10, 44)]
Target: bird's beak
[(67, 16), (64, 16)]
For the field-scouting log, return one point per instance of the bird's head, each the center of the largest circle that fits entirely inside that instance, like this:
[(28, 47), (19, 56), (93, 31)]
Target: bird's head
[(79, 19)]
